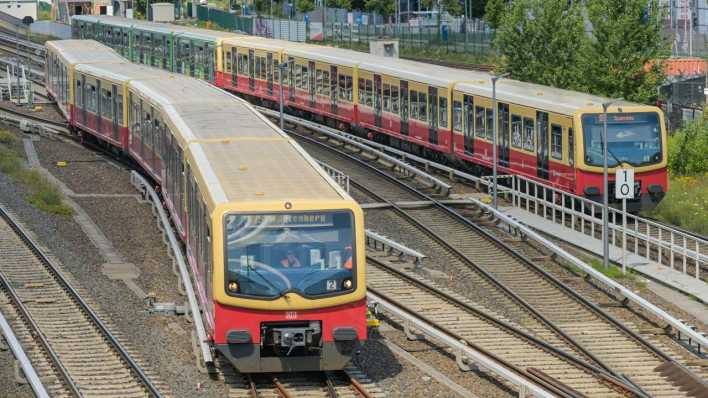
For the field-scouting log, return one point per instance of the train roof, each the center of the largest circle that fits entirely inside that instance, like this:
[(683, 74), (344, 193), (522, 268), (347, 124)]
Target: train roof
[(123, 71), (204, 34), (238, 171), (83, 51)]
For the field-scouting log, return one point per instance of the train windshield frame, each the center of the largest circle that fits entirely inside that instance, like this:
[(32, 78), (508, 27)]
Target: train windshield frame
[(634, 138), (268, 255)]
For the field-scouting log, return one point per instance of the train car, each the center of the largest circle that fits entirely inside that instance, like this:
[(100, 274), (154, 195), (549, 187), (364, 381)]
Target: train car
[(546, 134), (61, 58), (277, 253)]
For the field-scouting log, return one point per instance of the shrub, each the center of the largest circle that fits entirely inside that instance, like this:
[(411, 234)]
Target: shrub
[(688, 149), (7, 138), (10, 163), (686, 204), (42, 194)]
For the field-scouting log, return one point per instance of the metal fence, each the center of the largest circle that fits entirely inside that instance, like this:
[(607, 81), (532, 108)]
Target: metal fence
[(412, 37)]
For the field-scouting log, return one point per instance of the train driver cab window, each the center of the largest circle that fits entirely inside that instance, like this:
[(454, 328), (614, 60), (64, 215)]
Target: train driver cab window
[(443, 112), (457, 116), (310, 253), (529, 134), (557, 141)]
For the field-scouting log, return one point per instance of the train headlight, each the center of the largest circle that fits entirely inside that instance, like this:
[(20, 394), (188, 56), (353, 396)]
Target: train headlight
[(347, 284), (232, 286)]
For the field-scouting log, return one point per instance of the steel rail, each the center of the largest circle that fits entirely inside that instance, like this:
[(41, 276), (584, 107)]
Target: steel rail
[(27, 368), (486, 274), (85, 307)]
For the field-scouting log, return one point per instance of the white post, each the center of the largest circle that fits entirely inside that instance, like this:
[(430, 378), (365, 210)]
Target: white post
[(624, 235)]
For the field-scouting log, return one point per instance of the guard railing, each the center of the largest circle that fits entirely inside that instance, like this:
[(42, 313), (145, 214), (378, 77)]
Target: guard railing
[(389, 245), (338, 176)]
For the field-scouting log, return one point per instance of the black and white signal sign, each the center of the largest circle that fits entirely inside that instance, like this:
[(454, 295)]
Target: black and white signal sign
[(624, 184)]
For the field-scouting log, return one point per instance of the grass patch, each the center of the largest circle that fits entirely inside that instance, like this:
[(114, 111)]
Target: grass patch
[(7, 138), (41, 193), (686, 204), (612, 271)]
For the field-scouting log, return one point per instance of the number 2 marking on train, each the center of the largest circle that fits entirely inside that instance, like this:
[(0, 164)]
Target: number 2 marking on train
[(291, 315)]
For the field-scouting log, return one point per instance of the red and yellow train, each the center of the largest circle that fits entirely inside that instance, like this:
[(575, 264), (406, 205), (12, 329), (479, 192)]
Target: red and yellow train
[(275, 246), (549, 135)]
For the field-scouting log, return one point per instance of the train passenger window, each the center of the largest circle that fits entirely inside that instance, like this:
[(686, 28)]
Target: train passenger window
[(490, 123), (79, 96), (479, 120), (571, 149), (387, 97), (369, 93), (362, 91), (305, 78), (457, 116), (119, 108), (106, 104), (516, 131), (529, 134), (394, 99), (92, 102), (263, 75), (257, 73), (350, 89), (343, 87), (318, 82), (325, 84), (443, 112), (298, 76), (557, 141), (227, 58), (414, 104), (423, 104)]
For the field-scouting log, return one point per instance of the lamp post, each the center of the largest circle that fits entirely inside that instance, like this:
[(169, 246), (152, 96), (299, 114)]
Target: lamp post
[(494, 138), (605, 194)]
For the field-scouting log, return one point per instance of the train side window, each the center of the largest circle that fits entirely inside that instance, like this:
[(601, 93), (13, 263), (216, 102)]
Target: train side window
[(362, 91), (350, 89), (93, 100), (119, 109), (490, 123), (325, 83), (106, 104), (443, 112), (414, 104), (394, 99), (387, 98), (318, 82), (305, 78), (423, 104), (342, 87), (369, 93), (529, 134), (479, 119), (257, 72), (516, 129), (227, 60), (79, 94), (571, 149), (264, 68), (457, 116), (557, 141)]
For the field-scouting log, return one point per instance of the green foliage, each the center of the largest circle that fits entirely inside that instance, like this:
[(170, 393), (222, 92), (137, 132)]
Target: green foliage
[(494, 12), (346, 4), (686, 203), (305, 5), (688, 149), (542, 49), (10, 163), (381, 7), (611, 271), (7, 138), (548, 42)]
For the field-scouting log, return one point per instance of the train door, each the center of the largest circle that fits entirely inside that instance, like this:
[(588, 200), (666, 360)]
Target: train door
[(404, 107), (84, 115), (377, 100), (99, 111), (433, 119), (114, 105), (251, 70), (542, 142), (312, 87), (234, 66), (504, 132), (333, 78), (291, 79), (269, 72), (469, 123)]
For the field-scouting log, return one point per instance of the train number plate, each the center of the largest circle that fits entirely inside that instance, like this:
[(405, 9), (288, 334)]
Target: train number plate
[(290, 315)]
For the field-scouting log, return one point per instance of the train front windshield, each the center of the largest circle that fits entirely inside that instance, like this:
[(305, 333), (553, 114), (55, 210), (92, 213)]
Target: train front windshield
[(633, 138), (268, 255)]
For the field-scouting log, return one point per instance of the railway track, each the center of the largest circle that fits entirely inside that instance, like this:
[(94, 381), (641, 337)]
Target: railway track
[(496, 273), (66, 339)]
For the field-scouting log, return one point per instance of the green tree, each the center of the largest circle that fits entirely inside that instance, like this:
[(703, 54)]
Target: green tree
[(626, 36), (494, 11), (305, 5), (596, 46), (381, 7), (346, 4), (538, 41)]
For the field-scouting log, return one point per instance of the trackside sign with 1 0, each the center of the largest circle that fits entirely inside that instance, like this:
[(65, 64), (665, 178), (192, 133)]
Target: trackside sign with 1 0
[(624, 184)]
